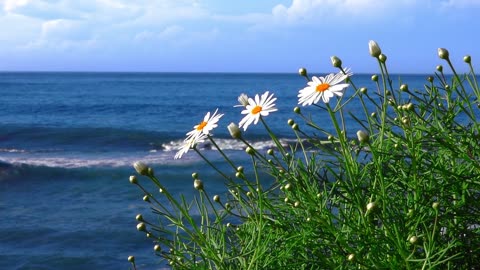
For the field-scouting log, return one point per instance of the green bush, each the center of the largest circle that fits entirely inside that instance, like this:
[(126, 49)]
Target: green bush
[(402, 193)]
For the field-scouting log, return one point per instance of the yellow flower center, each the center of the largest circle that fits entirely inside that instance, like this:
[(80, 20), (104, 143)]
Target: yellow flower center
[(257, 109), (201, 125), (322, 87)]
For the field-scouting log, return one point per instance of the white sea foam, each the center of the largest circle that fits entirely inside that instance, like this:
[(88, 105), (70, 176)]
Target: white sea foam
[(228, 144)]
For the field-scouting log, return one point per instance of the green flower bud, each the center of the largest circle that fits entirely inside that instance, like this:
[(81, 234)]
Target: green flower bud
[(374, 49), (195, 175), (235, 132), (330, 138), (435, 205), (250, 150), (288, 187), (216, 198), (443, 53), (371, 206), (238, 175), (157, 248), (409, 107), (404, 87), (295, 126), (141, 227), (131, 259), (198, 184), (382, 58), (149, 235), (240, 169), (413, 240), (302, 72), (133, 180), (363, 136), (270, 152), (286, 200), (336, 62), (140, 167), (373, 114), (439, 68), (296, 204), (139, 217), (290, 122), (296, 110), (363, 90), (227, 205), (351, 257), (161, 190), (467, 59), (375, 78), (430, 78)]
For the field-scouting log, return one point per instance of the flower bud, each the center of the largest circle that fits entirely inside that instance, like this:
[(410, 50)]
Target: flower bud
[(238, 175), (234, 131), (198, 184), (227, 205), (443, 53), (157, 248), (146, 198), (363, 136), (131, 259), (161, 190), (374, 49), (296, 110), (243, 100), (382, 58), (336, 62), (404, 87), (216, 198), (286, 200), (295, 126), (141, 227), (270, 152), (290, 122), (195, 175), (250, 150), (371, 206), (296, 204), (467, 59), (139, 217), (363, 90), (409, 107), (330, 138), (413, 240), (140, 167), (435, 205), (439, 68), (373, 114), (240, 169), (302, 72), (375, 78), (288, 187), (133, 179), (430, 78), (351, 257)]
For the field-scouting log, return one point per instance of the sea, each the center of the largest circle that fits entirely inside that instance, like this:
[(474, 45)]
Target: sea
[(68, 141)]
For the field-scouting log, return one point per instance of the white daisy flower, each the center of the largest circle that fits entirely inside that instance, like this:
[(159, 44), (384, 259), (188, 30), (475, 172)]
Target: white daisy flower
[(199, 132), (189, 143), (243, 100), (261, 106), (208, 123), (324, 88)]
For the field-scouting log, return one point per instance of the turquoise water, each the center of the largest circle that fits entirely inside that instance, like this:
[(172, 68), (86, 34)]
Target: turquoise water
[(67, 142)]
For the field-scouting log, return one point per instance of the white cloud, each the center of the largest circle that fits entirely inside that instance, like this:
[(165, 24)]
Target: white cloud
[(323, 10), (460, 3)]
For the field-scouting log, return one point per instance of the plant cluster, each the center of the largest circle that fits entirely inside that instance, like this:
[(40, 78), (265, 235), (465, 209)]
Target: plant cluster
[(401, 193)]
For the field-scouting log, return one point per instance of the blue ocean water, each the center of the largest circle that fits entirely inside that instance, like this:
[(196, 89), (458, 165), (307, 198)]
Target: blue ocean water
[(67, 142)]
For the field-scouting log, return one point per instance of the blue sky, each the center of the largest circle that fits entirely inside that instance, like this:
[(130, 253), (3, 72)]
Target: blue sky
[(234, 36)]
